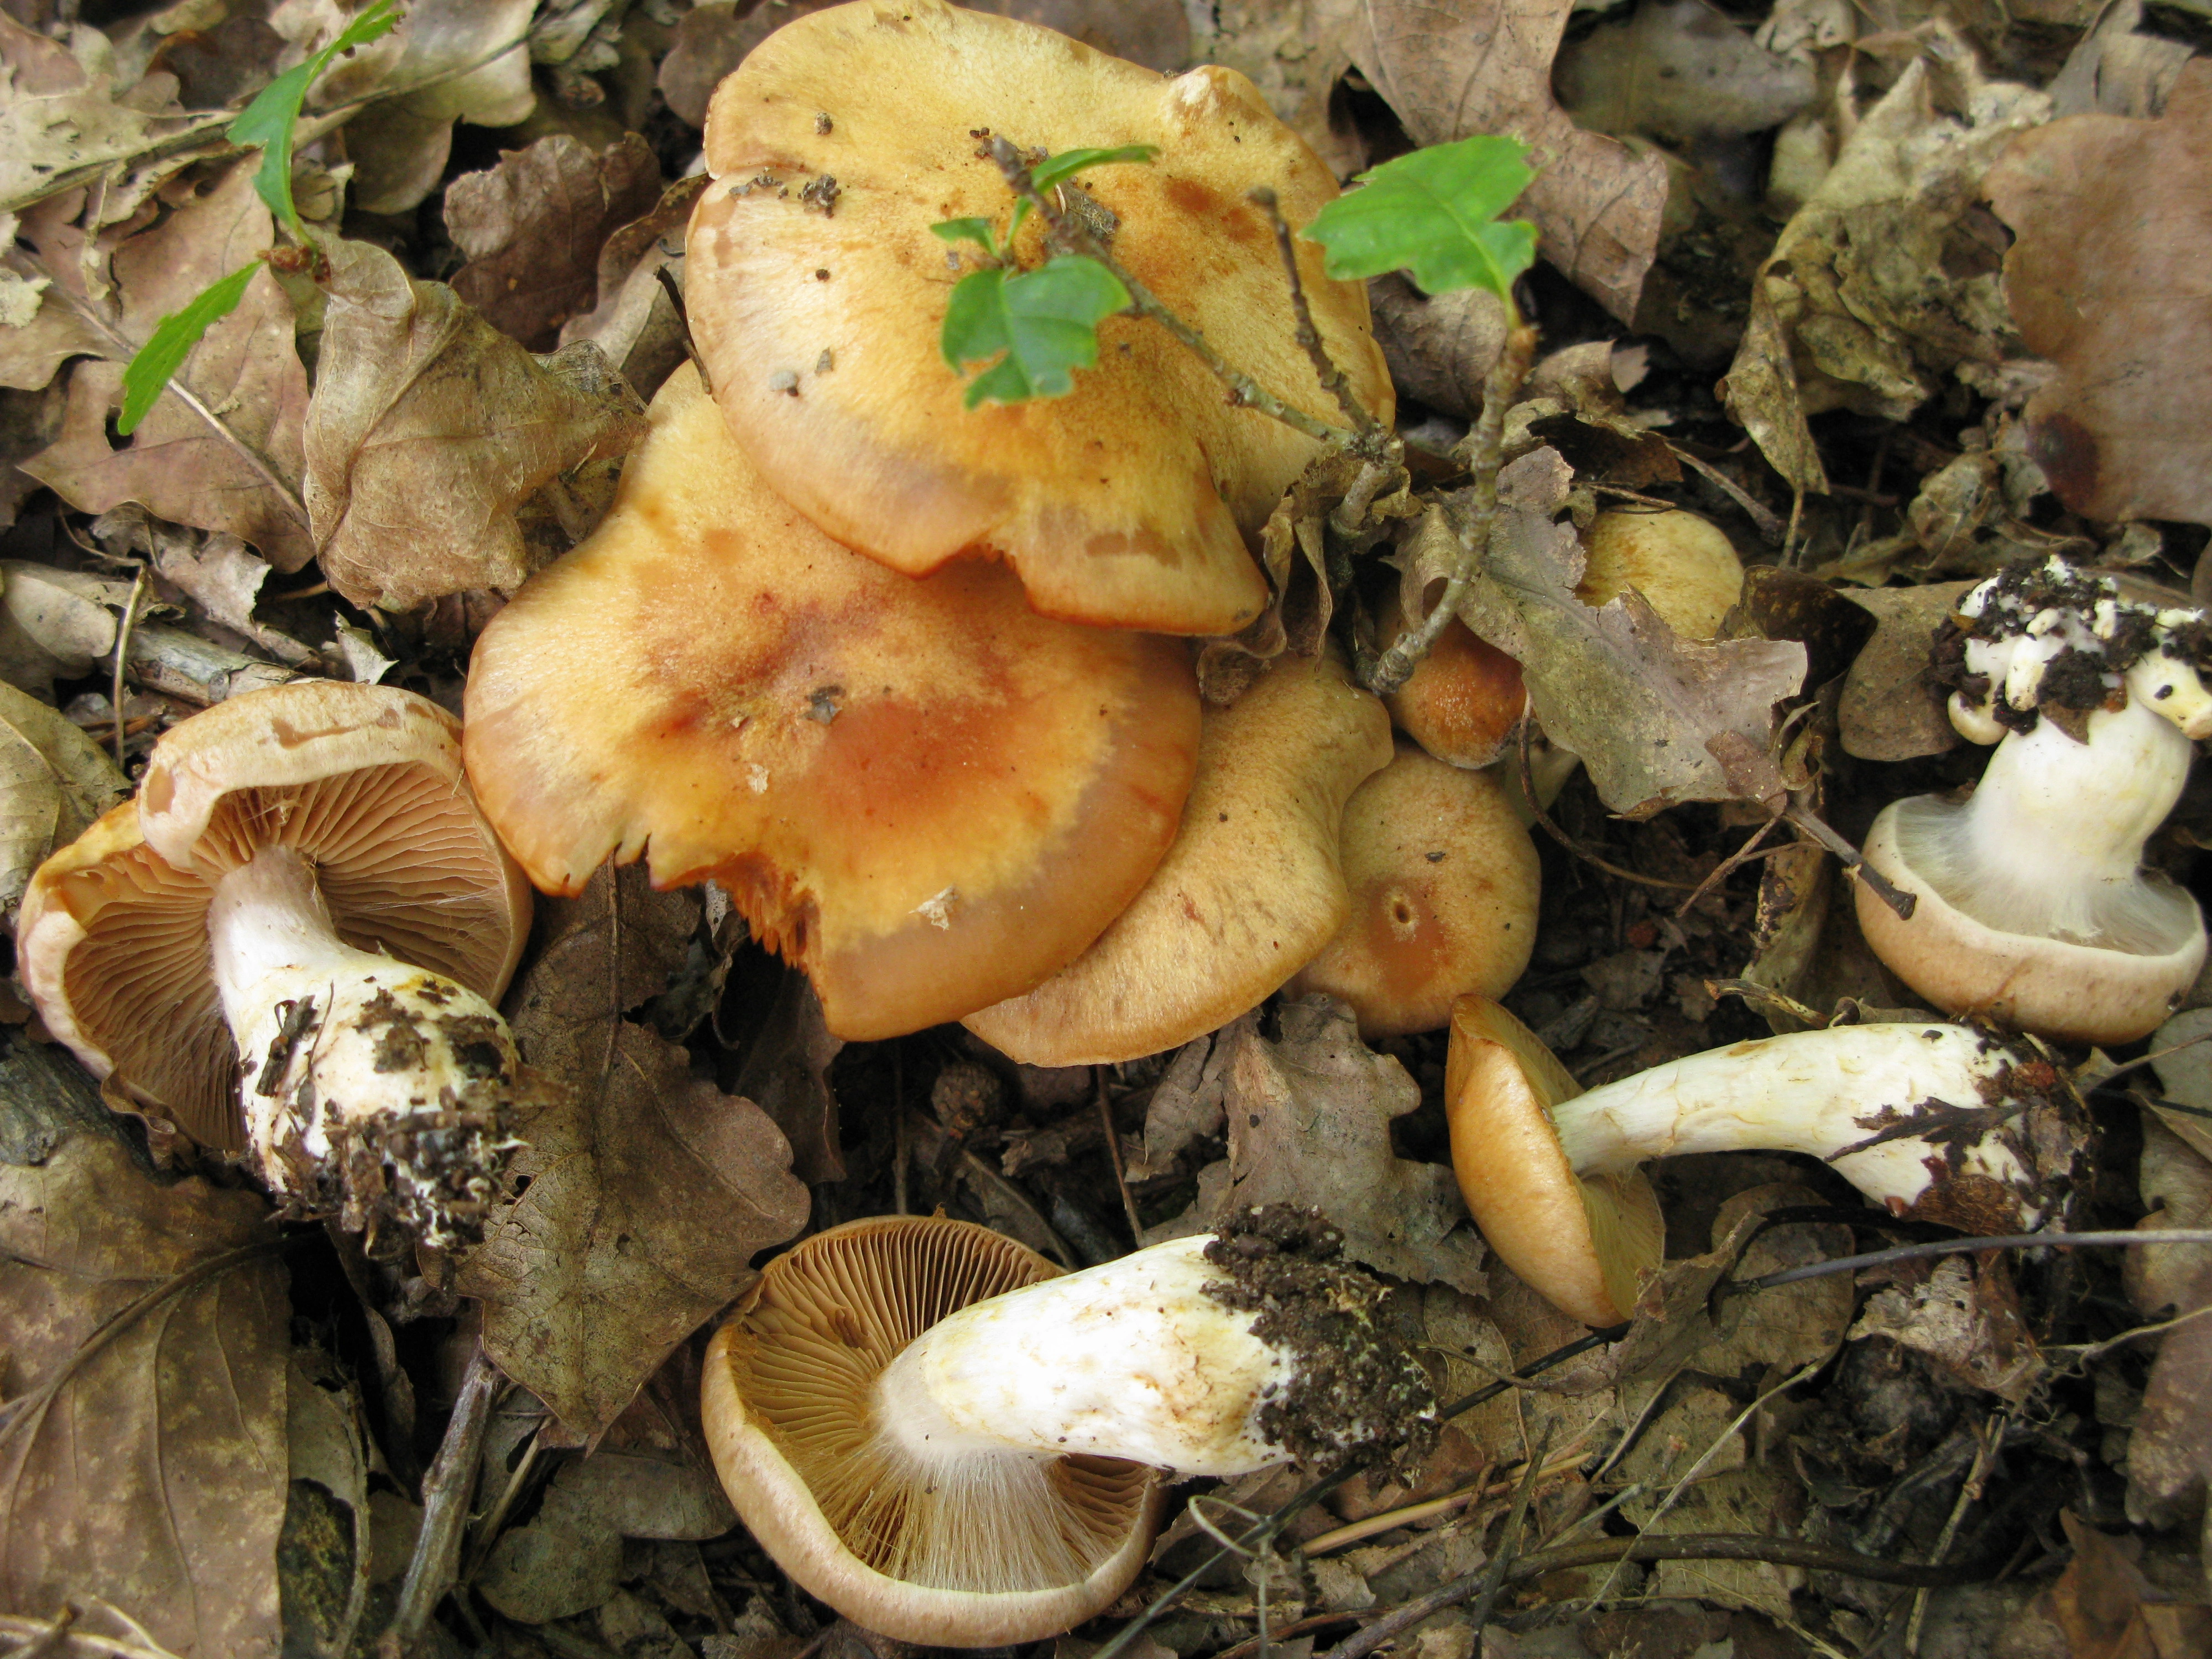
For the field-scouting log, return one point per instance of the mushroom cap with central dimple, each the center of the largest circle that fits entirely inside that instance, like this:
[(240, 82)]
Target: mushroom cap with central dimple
[(816, 291), (921, 792)]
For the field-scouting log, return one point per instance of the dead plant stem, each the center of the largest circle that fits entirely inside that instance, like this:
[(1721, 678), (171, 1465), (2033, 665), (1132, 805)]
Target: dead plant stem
[(1114, 1156), (123, 656), (446, 1489), (1326, 368), (1815, 829)]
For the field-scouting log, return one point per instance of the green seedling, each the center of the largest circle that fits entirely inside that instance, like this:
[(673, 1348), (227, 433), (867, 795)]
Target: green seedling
[(268, 121)]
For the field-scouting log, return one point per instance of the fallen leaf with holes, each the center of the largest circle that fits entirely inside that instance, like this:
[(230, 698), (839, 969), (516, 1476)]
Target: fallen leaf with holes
[(649, 1190), (532, 227), (54, 781), (1885, 280), (431, 428), (61, 124), (1967, 1322), (2169, 1452), (1309, 1122), (144, 1459), (1657, 719), (2105, 277), (233, 461), (2110, 1610), (1451, 67)]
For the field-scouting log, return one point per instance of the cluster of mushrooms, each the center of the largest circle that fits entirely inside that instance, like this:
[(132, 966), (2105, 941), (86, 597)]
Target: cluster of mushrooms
[(914, 684)]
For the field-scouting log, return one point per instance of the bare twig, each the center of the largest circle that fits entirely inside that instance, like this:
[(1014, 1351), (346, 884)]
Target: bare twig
[(1852, 1264), (1479, 453), (123, 655), (1508, 1536), (1848, 855), (1988, 1437), (1245, 391), (1114, 1155), (1308, 337), (446, 1492), (1537, 810)]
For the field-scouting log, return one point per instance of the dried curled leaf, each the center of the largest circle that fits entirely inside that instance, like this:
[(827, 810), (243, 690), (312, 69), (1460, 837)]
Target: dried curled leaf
[(54, 781), (430, 429), (144, 1461)]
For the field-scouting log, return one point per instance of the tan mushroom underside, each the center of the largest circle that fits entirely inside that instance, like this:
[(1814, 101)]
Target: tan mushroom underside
[(787, 1399), (2071, 993), (112, 938), (1582, 1244), (921, 792), (1126, 502), (1444, 888), (1251, 889)]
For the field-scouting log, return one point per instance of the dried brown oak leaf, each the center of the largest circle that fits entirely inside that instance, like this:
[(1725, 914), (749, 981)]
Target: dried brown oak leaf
[(2106, 279), (633, 321), (532, 227), (429, 428), (54, 781), (231, 463), (1657, 719), (1884, 281), (1453, 68), (62, 124), (649, 1190), (2110, 1609), (142, 1458), (1309, 1122), (2170, 1451)]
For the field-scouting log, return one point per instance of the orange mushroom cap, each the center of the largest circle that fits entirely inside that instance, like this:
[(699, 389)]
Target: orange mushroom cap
[(922, 792), (1462, 699), (816, 291)]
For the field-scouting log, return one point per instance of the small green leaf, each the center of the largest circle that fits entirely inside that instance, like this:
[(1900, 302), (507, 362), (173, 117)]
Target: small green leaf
[(1040, 324), (172, 342), (967, 230), (1435, 212), (268, 119), (1069, 162)]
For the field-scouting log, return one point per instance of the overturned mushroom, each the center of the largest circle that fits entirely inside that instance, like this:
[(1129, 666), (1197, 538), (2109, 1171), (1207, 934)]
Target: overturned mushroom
[(835, 146), (302, 912), (1251, 889), (2032, 905), (921, 791), (949, 1444), (1939, 1122)]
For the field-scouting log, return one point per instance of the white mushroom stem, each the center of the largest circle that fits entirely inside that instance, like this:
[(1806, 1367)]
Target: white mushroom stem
[(370, 1086), (1131, 1360), (1816, 1092)]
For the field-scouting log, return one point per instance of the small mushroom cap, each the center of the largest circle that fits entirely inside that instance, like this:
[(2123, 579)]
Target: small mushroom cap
[(1444, 887), (1462, 699), (363, 780), (1251, 889), (2055, 988), (1031, 1547), (1581, 1243), (1685, 565), (1126, 502), (922, 792)]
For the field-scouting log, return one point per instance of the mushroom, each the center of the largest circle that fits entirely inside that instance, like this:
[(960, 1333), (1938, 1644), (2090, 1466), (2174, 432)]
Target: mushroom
[(1250, 890), (1684, 565), (2031, 903), (1444, 886), (936, 1433), (1939, 1122), (921, 791), (303, 903), (1462, 699), (815, 290)]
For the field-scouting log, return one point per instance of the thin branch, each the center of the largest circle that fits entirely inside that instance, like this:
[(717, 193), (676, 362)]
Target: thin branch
[(1493, 1578), (1325, 366), (1114, 1156), (1879, 885), (1245, 391), (446, 1489), (123, 655), (1480, 453), (1848, 1264)]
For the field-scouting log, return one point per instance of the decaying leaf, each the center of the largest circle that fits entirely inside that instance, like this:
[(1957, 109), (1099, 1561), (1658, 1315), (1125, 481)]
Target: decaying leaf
[(1309, 1122), (142, 1461), (532, 227), (1678, 69), (635, 322), (54, 624), (1967, 1322), (233, 461), (786, 1074), (429, 428), (54, 781), (2110, 1610), (649, 1190), (60, 122), (2106, 280), (1469, 66), (1889, 712), (1657, 719), (1885, 279), (2170, 1450)]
